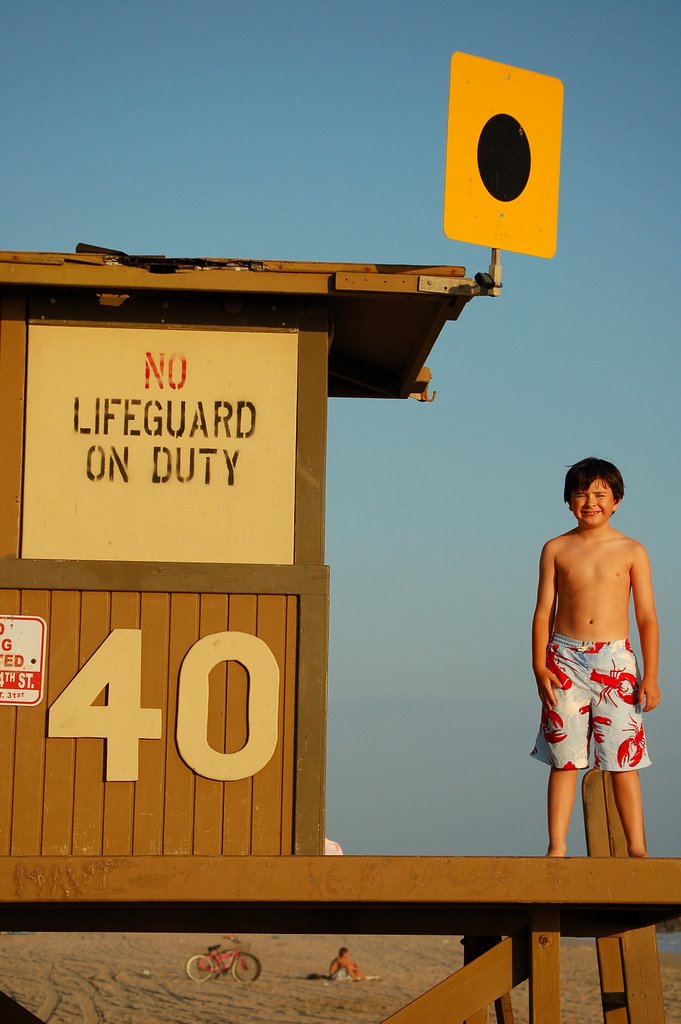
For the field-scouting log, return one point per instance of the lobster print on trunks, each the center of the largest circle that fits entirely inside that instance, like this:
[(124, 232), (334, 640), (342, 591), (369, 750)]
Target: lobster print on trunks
[(597, 710)]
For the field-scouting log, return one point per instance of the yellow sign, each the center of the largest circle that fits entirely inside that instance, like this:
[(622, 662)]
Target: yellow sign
[(503, 156), (145, 444)]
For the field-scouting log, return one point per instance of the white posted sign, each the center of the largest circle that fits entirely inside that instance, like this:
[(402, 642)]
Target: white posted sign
[(22, 660)]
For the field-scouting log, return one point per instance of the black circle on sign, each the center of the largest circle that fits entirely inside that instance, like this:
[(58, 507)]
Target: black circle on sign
[(504, 157)]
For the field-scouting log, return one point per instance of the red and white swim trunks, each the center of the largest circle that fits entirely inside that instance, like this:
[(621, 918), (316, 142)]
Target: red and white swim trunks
[(597, 699)]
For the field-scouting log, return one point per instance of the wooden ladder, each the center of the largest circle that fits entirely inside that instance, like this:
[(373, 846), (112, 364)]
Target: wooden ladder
[(628, 964)]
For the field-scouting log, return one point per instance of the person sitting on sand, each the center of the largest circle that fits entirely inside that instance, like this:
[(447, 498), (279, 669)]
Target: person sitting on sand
[(343, 966)]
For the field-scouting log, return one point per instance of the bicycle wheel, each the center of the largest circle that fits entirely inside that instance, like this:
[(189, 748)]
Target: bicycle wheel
[(200, 967), (246, 967)]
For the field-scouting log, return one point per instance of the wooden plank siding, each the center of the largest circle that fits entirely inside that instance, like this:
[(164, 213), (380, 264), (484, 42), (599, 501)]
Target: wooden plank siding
[(243, 609), (54, 800), (29, 752), (60, 758), (88, 789), (149, 797), (288, 780), (208, 802), (10, 604), (119, 797), (13, 335)]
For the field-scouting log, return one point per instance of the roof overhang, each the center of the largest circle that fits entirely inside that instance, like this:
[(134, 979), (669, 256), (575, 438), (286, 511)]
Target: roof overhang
[(383, 320)]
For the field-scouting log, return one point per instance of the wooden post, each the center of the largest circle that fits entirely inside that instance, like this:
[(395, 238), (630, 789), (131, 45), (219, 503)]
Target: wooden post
[(545, 964), (628, 964), (473, 947), (598, 843), (642, 980)]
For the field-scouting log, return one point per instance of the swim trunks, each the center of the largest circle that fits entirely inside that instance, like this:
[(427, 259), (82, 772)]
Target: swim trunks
[(598, 698)]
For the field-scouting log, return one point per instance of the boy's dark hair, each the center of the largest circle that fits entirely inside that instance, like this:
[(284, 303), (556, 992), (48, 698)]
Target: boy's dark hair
[(580, 477)]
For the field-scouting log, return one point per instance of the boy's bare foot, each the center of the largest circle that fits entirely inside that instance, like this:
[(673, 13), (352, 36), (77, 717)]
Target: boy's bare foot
[(637, 853), (557, 851)]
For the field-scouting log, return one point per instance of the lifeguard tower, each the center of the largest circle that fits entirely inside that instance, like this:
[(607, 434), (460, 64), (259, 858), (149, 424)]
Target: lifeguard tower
[(164, 619), (163, 536)]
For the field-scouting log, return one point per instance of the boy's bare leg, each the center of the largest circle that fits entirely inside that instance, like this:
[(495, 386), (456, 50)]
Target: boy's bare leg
[(560, 801), (626, 788)]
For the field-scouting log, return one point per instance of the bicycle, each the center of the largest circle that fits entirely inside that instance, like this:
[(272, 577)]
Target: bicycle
[(217, 961)]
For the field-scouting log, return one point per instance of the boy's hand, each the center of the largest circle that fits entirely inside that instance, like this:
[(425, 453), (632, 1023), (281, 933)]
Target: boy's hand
[(648, 694), (546, 682)]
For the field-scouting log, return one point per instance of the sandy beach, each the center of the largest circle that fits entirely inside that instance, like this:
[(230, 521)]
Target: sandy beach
[(140, 979)]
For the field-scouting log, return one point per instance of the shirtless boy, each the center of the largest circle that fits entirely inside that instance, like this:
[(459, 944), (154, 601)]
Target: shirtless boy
[(586, 672)]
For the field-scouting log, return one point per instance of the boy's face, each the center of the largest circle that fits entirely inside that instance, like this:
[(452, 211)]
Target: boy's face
[(594, 506)]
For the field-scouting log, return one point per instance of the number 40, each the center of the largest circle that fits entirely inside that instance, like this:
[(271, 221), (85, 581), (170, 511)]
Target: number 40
[(123, 722)]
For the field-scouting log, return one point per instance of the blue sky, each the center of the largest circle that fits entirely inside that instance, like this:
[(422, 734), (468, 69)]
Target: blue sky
[(317, 131)]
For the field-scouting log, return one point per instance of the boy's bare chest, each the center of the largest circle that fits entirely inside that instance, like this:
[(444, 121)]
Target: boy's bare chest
[(578, 571)]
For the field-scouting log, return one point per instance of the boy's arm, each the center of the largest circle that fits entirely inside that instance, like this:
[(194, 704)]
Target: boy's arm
[(542, 624), (648, 631)]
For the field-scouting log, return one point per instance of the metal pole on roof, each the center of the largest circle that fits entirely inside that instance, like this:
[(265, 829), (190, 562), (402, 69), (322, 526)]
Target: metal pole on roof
[(495, 272)]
